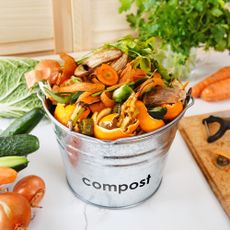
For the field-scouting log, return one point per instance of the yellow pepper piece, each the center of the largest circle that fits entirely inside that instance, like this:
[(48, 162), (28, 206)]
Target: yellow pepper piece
[(147, 123), (63, 112), (173, 110)]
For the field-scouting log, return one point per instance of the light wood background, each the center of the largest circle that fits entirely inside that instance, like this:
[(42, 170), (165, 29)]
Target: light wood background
[(38, 27), (26, 26)]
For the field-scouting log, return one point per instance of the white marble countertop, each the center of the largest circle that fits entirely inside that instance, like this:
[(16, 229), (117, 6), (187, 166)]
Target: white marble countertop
[(183, 201)]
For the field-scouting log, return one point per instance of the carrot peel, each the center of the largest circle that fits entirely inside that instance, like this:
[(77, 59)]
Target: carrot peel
[(108, 102)]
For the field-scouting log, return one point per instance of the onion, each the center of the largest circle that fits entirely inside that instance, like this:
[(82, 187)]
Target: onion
[(15, 211), (32, 188)]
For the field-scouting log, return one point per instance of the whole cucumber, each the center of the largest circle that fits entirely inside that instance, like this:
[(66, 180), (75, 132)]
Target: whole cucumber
[(25, 123), (18, 145)]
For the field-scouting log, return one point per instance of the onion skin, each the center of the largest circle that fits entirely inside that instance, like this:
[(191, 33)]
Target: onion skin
[(32, 188), (4, 221), (49, 70), (15, 211)]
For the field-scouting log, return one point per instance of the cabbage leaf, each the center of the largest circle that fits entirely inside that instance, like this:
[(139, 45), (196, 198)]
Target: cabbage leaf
[(15, 98)]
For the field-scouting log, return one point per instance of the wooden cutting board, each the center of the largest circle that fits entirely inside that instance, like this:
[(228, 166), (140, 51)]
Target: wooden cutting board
[(195, 135)]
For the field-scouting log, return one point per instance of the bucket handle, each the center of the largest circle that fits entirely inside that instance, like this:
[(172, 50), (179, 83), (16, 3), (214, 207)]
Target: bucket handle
[(41, 96), (190, 103), (189, 100)]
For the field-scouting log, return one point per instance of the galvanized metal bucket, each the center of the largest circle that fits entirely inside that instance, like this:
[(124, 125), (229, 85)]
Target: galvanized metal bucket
[(114, 174)]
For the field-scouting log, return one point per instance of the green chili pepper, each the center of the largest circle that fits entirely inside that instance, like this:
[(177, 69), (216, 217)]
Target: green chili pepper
[(86, 126), (122, 93)]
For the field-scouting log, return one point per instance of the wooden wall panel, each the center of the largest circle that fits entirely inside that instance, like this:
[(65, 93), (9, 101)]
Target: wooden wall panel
[(26, 26), (96, 22), (41, 26), (63, 34)]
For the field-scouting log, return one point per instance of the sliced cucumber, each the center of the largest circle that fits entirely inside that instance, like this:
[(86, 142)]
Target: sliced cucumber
[(157, 112), (15, 162)]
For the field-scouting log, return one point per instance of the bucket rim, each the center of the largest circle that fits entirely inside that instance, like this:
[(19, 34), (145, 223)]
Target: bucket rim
[(125, 140)]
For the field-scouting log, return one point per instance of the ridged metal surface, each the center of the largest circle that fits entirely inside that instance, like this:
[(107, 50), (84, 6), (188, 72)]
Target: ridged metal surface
[(114, 174)]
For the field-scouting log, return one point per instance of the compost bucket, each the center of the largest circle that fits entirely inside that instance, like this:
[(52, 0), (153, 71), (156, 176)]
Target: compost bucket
[(114, 174)]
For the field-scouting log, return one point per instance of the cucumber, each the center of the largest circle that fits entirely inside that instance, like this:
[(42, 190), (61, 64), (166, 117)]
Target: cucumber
[(25, 123), (15, 162), (157, 112), (18, 145)]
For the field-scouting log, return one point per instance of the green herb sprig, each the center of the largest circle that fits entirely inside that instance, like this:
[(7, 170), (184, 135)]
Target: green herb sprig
[(181, 24)]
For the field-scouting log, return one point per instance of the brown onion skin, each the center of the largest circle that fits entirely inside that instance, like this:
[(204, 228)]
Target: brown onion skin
[(15, 211), (32, 188), (50, 70)]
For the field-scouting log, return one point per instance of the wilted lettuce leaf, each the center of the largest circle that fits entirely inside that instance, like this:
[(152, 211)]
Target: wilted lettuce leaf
[(15, 98)]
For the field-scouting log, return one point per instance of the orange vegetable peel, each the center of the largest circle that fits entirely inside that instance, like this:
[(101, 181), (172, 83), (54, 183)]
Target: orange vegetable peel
[(147, 123), (173, 110), (111, 134)]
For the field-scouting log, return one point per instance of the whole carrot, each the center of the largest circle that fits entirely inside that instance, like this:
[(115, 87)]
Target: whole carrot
[(7, 175), (217, 91), (221, 74)]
